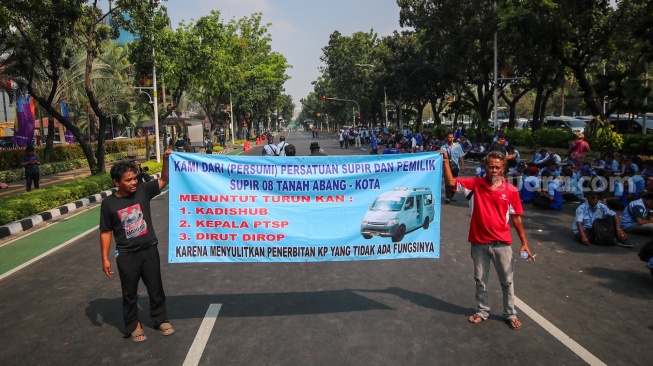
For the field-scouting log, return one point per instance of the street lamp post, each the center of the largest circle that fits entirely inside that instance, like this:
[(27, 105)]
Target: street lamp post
[(352, 107)]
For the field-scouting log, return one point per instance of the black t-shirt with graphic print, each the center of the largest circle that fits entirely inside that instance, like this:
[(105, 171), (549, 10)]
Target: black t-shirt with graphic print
[(130, 218)]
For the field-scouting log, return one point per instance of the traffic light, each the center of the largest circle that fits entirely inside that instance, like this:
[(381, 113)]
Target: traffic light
[(359, 118), (244, 123), (324, 98), (319, 114)]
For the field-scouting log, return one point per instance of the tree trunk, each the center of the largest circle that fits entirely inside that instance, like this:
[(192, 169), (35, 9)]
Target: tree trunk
[(90, 93), (83, 142), (49, 140)]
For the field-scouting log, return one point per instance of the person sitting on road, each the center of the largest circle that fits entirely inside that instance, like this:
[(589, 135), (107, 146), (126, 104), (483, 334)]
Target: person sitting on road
[(551, 198), (609, 165), (638, 217), (537, 156), (647, 168), (549, 158), (480, 169), (390, 149), (530, 185), (587, 216), (623, 191), (515, 175), (551, 167), (573, 191)]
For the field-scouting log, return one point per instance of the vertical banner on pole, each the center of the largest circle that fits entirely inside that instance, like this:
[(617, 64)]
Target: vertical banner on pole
[(67, 133), (301, 209), (24, 125)]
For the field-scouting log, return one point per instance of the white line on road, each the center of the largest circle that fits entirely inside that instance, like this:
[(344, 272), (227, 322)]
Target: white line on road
[(197, 348), (558, 334)]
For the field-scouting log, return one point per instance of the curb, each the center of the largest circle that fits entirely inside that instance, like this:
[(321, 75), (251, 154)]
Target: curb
[(25, 224)]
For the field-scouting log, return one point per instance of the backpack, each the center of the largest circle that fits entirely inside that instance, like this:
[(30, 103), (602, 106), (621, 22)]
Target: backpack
[(646, 253), (602, 232)]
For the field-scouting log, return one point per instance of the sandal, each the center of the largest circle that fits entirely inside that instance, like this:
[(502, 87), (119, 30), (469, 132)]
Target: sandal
[(475, 319), (513, 323), (166, 329), (138, 335)]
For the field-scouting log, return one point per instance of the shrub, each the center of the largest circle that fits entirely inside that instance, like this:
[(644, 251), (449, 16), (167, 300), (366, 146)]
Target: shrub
[(602, 137), (22, 205), (553, 138), (638, 144)]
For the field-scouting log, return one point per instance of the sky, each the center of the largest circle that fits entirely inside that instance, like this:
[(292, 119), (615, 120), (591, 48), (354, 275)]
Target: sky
[(300, 28)]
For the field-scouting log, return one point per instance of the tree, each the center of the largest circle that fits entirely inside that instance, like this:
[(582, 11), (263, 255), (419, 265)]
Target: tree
[(345, 80), (147, 18), (38, 50), (462, 32)]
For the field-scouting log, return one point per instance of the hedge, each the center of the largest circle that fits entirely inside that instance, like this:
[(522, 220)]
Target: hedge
[(638, 144), (20, 206), (57, 167), (10, 159)]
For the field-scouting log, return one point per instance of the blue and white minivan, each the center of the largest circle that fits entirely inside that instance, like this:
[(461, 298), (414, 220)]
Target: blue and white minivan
[(397, 212)]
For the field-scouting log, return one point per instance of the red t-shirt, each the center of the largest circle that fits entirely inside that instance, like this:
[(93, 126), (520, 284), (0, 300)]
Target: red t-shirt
[(492, 210)]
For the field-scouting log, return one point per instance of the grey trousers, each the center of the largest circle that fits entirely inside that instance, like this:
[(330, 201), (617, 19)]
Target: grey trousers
[(501, 256)]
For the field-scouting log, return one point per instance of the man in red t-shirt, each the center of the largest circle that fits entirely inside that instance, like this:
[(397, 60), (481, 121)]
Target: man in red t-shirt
[(496, 204)]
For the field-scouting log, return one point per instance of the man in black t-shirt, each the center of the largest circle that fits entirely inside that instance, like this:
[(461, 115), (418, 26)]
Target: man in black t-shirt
[(126, 215)]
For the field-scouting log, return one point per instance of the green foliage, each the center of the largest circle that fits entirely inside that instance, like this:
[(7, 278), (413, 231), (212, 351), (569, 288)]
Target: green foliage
[(553, 138), (638, 145), (22, 205), (66, 160), (602, 137), (544, 138)]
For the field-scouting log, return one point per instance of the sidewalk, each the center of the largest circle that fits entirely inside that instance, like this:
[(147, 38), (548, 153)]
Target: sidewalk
[(17, 187)]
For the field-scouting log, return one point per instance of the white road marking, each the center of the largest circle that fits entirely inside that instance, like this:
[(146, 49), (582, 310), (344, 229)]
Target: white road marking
[(33, 260), (558, 334), (16, 269), (197, 348)]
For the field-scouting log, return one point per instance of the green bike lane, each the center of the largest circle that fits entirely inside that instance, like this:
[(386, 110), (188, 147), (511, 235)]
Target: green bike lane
[(24, 250)]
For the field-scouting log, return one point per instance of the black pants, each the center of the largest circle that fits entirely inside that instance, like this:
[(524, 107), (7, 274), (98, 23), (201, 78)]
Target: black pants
[(132, 267), (32, 177), (541, 201)]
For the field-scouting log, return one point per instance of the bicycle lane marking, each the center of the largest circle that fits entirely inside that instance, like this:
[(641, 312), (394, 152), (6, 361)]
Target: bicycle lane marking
[(34, 246), (30, 248)]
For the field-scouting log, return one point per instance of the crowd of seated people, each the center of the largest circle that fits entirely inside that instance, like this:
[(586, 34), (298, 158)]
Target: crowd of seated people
[(614, 193)]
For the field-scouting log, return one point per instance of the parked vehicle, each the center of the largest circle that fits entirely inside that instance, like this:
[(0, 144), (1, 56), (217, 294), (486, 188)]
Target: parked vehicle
[(570, 124), (397, 212)]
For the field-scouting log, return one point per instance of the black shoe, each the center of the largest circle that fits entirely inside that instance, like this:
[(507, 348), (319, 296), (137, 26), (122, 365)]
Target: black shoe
[(625, 244), (447, 201)]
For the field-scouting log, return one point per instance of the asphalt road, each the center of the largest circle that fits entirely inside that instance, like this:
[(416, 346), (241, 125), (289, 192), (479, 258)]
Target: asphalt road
[(62, 310)]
